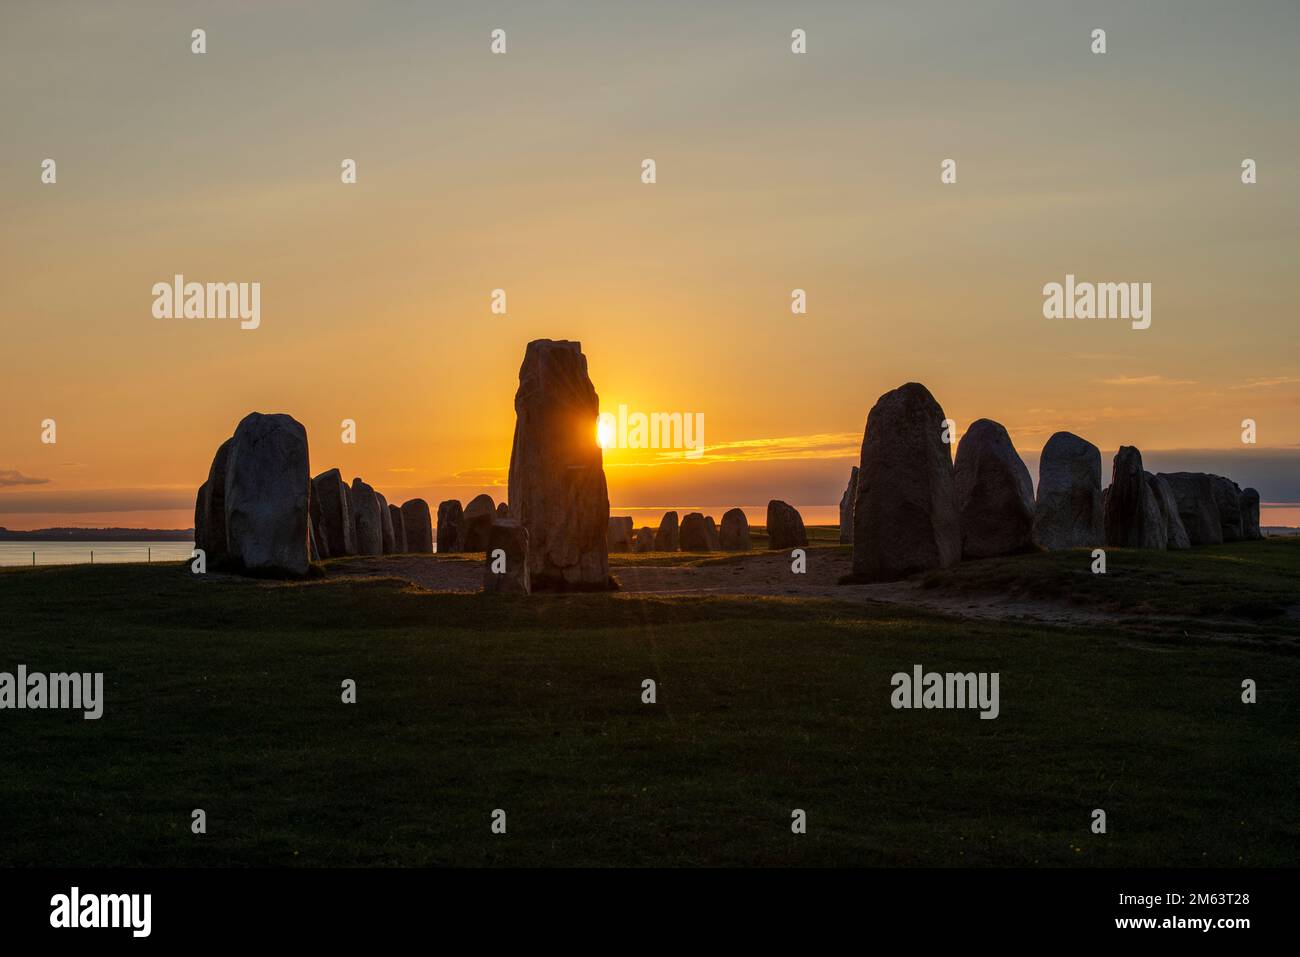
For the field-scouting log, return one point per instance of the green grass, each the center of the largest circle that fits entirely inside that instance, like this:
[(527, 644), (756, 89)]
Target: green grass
[(225, 695)]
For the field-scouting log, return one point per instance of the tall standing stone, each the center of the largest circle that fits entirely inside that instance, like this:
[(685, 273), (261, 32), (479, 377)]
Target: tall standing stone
[(476, 523), (557, 479), (418, 526), (367, 525), (210, 510), (785, 527), (386, 525), (1068, 513), (399, 530), (619, 537), (1227, 499), (330, 502), (645, 539), (268, 495), (734, 534), (451, 526), (1250, 529), (1131, 516), (995, 495), (846, 508), (1194, 495), (695, 535), (505, 570), (905, 517), (666, 538), (1175, 533)]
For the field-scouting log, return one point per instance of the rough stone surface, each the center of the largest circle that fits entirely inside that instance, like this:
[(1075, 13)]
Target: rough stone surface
[(399, 530), (507, 542), (784, 526), (619, 537), (1131, 515), (210, 510), (995, 494), (645, 539), (711, 534), (667, 537), (1068, 513), (1175, 533), (1250, 515), (557, 479), (330, 501), (367, 526), (905, 518), (477, 523), (386, 525), (1227, 498), (694, 535), (268, 496), (1194, 495), (503, 511), (846, 508), (418, 525), (734, 534), (451, 524)]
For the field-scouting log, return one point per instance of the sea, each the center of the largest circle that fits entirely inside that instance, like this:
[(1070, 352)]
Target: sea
[(83, 553)]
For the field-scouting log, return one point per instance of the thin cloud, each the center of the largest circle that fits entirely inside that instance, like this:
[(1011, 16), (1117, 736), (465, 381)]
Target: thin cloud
[(1145, 380), (10, 477), (1267, 382)]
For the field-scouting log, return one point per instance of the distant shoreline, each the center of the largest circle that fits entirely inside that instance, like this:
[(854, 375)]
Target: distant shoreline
[(99, 535)]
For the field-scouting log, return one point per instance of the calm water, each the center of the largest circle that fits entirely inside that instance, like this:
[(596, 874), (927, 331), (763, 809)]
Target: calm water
[(77, 553)]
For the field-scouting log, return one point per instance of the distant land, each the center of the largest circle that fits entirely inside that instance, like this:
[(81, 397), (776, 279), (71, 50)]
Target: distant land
[(99, 535)]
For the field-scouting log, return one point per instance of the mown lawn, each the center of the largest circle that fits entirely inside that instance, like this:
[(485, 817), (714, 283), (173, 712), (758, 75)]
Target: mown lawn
[(225, 695)]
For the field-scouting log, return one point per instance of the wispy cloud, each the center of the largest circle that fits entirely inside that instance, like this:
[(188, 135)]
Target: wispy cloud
[(10, 477), (1267, 382), (1145, 380)]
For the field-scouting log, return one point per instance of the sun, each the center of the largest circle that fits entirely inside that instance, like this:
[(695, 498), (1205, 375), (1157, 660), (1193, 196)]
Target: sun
[(605, 431)]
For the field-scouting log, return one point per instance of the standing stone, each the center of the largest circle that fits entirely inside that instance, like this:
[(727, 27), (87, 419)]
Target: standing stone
[(734, 535), (846, 508), (507, 546), (995, 495), (645, 540), (210, 510), (619, 537), (1227, 498), (1131, 516), (330, 501), (1175, 533), (503, 511), (905, 518), (312, 552), (451, 526), (784, 526), (367, 526), (694, 535), (314, 518), (711, 534), (386, 525), (477, 523), (399, 530), (557, 480), (268, 495), (666, 538), (1068, 513), (418, 526), (1194, 495), (1250, 515)]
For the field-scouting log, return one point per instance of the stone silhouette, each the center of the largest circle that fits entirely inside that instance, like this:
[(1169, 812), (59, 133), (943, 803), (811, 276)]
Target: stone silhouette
[(476, 523), (995, 494), (505, 567), (1194, 496), (418, 525), (1250, 529), (386, 525), (905, 517), (268, 495), (1175, 533), (1068, 513), (666, 538), (645, 539), (619, 537), (846, 508), (330, 502), (399, 530), (1131, 515), (1227, 499), (557, 480), (210, 510), (694, 535), (367, 526), (451, 522), (785, 526), (734, 534)]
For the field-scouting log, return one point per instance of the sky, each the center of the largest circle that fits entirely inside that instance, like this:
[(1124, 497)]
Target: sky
[(523, 172)]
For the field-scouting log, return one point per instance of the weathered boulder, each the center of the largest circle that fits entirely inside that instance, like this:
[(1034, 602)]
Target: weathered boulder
[(503, 511), (645, 539), (1175, 534), (386, 525), (399, 530), (505, 568), (367, 526), (905, 517), (711, 534), (734, 534), (330, 502), (1068, 513), (846, 507), (619, 536), (1194, 495), (1227, 498), (1250, 515), (268, 496), (784, 526), (1131, 515), (418, 526), (694, 535), (995, 494), (666, 538), (557, 480), (210, 510), (476, 523), (451, 526)]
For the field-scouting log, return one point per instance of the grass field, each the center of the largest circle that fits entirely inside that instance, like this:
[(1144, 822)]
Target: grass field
[(224, 695)]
